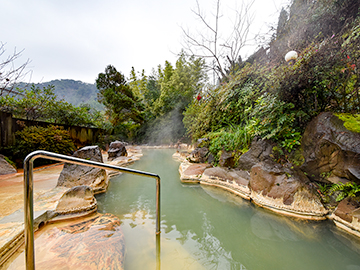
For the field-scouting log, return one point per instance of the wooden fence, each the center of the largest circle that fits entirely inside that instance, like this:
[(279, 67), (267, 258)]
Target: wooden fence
[(8, 126)]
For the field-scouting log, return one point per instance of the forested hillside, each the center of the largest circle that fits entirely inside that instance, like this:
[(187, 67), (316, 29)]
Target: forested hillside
[(71, 91)]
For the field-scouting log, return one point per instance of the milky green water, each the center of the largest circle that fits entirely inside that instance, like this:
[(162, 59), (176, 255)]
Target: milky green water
[(208, 228)]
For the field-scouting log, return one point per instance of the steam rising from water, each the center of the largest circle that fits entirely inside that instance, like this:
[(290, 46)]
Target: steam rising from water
[(166, 129)]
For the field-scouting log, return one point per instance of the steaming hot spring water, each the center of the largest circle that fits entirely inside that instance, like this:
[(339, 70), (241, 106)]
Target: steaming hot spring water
[(204, 227)]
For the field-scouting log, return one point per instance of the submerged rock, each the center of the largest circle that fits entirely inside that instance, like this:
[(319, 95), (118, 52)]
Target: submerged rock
[(76, 175), (95, 242), (284, 190)]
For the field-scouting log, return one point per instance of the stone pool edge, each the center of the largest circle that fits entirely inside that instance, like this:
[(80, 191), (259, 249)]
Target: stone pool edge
[(265, 202)]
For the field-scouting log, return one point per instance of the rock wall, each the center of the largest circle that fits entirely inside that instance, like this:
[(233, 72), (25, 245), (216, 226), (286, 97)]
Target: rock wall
[(329, 148)]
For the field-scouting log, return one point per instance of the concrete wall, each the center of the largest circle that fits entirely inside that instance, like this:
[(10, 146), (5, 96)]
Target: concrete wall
[(8, 126)]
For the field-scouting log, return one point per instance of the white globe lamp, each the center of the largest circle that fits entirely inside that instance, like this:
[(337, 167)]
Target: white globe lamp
[(291, 56)]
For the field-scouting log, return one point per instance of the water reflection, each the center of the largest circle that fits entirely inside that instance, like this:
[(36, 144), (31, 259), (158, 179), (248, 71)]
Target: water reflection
[(207, 228)]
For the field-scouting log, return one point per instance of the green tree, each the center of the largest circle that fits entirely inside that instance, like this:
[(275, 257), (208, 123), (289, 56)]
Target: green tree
[(33, 104), (169, 91), (52, 138), (179, 85), (138, 86), (42, 104), (122, 106)]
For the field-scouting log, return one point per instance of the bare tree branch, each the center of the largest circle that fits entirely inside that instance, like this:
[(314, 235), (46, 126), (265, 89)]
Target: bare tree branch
[(208, 43), (9, 73)]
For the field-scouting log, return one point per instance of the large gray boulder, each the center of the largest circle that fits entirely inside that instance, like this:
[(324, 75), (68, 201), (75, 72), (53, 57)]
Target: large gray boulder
[(330, 149), (76, 175), (285, 190), (5, 167), (199, 155), (116, 149), (226, 159), (260, 150)]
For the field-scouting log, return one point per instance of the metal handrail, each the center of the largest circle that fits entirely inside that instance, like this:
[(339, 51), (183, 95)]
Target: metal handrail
[(28, 193)]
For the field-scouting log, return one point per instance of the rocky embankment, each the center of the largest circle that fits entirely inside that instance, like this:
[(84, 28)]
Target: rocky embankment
[(84, 181), (328, 148)]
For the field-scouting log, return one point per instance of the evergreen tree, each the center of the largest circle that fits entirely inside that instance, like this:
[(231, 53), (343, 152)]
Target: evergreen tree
[(122, 106)]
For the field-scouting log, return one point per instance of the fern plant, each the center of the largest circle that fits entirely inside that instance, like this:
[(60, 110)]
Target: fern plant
[(323, 188), (349, 189)]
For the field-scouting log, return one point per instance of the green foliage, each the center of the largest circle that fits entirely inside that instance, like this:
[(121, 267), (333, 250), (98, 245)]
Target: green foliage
[(276, 100), (324, 77), (164, 95), (200, 117), (291, 140), (275, 119), (51, 138), (65, 113), (282, 155), (179, 85), (324, 188), (31, 104), (351, 121), (307, 19), (42, 104), (325, 175), (237, 140), (349, 189), (124, 110)]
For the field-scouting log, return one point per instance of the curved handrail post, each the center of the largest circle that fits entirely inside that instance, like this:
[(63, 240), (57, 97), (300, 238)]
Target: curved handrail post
[(29, 213), (29, 201)]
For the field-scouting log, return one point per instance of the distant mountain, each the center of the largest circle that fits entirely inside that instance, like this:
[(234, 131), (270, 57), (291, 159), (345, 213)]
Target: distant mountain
[(74, 92)]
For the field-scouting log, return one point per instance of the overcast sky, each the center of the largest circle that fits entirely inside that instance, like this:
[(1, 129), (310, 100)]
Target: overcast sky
[(77, 39)]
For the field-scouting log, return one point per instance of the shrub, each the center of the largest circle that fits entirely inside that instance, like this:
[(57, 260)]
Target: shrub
[(51, 138), (237, 140)]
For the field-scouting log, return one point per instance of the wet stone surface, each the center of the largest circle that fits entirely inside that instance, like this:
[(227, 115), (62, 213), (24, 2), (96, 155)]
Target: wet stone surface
[(94, 242)]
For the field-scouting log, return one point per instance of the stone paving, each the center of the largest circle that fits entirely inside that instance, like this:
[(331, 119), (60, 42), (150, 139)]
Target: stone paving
[(46, 198)]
